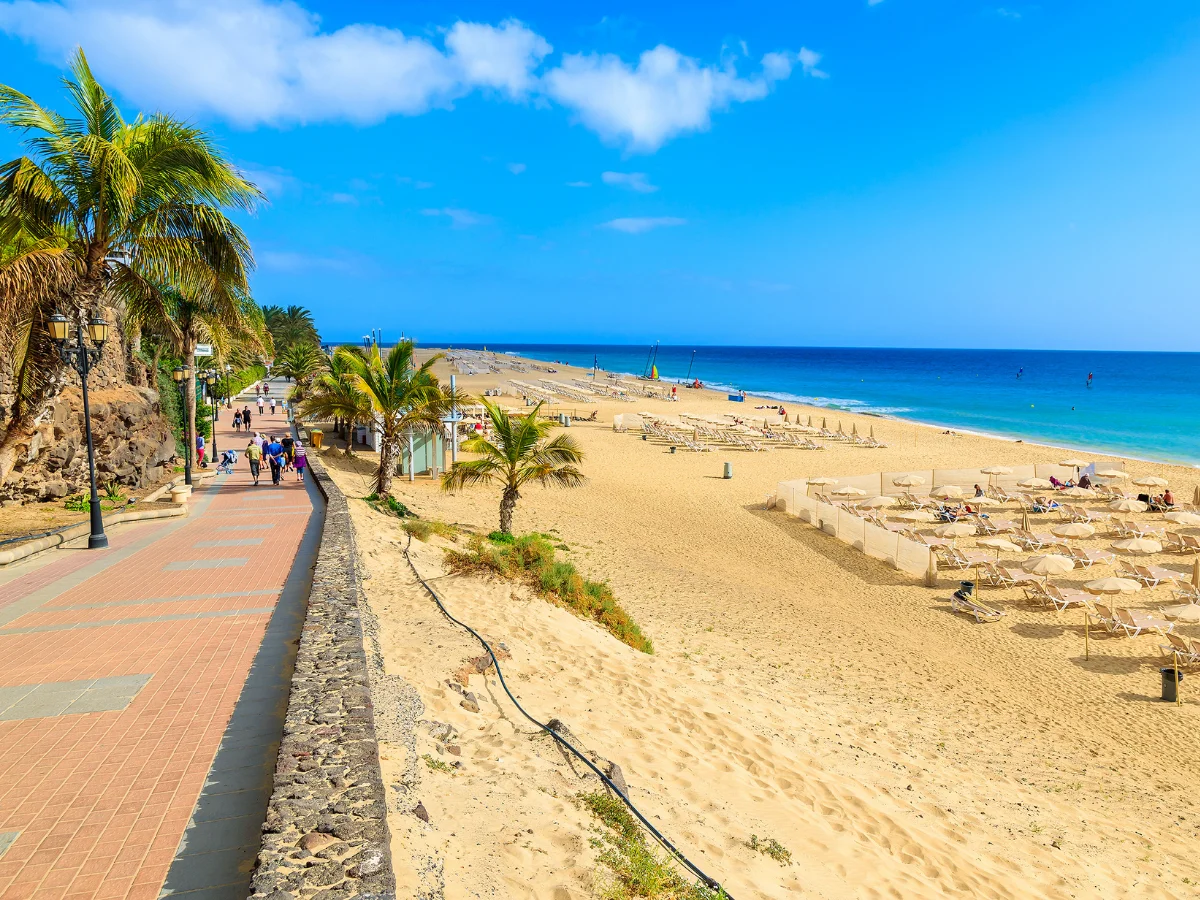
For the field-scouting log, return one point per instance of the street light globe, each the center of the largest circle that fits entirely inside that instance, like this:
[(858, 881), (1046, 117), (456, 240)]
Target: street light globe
[(58, 326), (211, 379), (177, 373), (98, 330)]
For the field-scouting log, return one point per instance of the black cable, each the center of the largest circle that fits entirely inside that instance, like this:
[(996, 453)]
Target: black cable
[(711, 883)]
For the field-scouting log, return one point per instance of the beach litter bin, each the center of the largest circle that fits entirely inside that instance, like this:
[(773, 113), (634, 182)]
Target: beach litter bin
[(728, 470), (315, 436), (1170, 683), (967, 587)]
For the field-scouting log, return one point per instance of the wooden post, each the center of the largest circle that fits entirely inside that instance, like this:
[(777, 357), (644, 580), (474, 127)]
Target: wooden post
[(1086, 634), (1178, 699)]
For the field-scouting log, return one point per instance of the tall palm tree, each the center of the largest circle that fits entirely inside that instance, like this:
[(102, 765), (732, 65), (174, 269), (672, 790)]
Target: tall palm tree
[(291, 326), (402, 397), (138, 205), (521, 452), (299, 362)]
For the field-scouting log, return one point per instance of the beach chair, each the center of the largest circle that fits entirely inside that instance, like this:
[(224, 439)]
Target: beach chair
[(1153, 576), (1133, 622), (960, 601), (1065, 598), (1185, 592), (988, 525), (954, 558), (1104, 616), (1191, 542), (1187, 652), (1017, 578), (1173, 541), (1085, 559)]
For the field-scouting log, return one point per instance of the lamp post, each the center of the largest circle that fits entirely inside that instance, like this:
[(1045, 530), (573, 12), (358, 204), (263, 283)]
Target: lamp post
[(180, 374), (228, 396), (82, 358), (211, 380)]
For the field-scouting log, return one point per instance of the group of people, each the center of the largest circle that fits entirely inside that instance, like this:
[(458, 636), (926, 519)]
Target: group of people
[(286, 455)]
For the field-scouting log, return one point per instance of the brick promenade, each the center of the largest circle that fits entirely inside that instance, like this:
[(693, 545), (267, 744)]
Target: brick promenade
[(142, 690)]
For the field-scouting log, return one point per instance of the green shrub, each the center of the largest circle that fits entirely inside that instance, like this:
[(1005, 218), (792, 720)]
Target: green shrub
[(772, 848), (635, 869), (421, 529), (392, 506), (501, 537), (531, 559)]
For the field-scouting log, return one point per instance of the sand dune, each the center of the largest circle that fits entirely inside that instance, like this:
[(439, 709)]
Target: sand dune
[(799, 691)]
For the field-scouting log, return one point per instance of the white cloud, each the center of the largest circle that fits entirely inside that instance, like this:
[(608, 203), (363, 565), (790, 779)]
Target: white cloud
[(517, 168), (459, 218), (635, 181), (579, 184), (271, 62), (347, 199), (874, 2), (638, 225), (664, 95), (258, 61), (271, 180)]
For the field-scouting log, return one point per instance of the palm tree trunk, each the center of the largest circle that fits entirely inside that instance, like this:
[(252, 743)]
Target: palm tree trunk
[(137, 368), (508, 503), (189, 412), (388, 452)]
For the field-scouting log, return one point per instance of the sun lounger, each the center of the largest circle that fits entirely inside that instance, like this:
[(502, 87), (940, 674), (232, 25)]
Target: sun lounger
[(1173, 541), (1187, 652), (1133, 622), (1104, 616), (995, 526), (1014, 577), (967, 603), (1087, 558), (1152, 576), (1064, 598), (958, 559), (1186, 592)]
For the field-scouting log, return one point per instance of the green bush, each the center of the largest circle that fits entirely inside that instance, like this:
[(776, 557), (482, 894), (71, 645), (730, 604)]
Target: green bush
[(501, 537), (422, 529), (391, 506), (531, 559), (635, 869)]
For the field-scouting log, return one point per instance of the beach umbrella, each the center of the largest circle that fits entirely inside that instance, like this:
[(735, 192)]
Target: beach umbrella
[(853, 428), (955, 529), (1196, 495), (1084, 493), (1074, 463), (1112, 473), (1074, 530), (996, 470), (1182, 518), (872, 432), (840, 427), (1128, 506), (823, 425), (998, 544), (1024, 520), (810, 421), (916, 515), (878, 502), (848, 491), (1183, 612), (947, 490), (908, 480), (1034, 483), (1150, 481), (1137, 545), (1051, 564), (1112, 585)]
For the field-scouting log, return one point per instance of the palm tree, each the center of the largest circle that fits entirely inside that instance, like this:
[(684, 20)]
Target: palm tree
[(521, 452), (402, 398), (334, 394), (291, 326), (138, 207), (299, 362)]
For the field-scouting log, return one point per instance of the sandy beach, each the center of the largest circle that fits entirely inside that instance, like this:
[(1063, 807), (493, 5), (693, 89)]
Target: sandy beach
[(799, 690)]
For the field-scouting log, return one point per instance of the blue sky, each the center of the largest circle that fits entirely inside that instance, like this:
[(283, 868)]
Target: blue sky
[(892, 173)]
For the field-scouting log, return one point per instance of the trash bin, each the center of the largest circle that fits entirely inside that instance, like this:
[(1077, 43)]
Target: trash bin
[(315, 436), (967, 587), (728, 470), (672, 448), (1170, 687)]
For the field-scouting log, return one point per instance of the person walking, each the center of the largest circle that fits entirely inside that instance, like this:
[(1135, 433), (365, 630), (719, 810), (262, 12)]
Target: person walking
[(254, 455), (246, 417), (300, 461), (272, 406), (200, 451), (274, 454), (260, 404), (289, 446), (237, 420)]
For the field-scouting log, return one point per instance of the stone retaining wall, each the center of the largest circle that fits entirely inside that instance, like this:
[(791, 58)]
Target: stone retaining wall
[(326, 833)]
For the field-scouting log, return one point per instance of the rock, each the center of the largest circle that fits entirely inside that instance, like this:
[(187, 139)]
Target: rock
[(315, 841), (469, 705), (454, 749), (616, 776), (55, 490), (420, 812), (370, 863)]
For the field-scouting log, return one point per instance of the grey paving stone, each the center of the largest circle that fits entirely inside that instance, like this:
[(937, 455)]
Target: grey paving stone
[(184, 565), (181, 598), (7, 839), (73, 697)]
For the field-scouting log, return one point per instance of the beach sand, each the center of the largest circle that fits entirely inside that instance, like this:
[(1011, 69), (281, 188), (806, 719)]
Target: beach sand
[(799, 691)]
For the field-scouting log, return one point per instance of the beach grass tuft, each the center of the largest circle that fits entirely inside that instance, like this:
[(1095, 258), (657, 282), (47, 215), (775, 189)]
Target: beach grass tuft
[(423, 529), (532, 559), (391, 506), (772, 848), (634, 868)]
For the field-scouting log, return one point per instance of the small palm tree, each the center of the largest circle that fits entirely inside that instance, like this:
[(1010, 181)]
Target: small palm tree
[(401, 398), (334, 394), (299, 362), (521, 452)]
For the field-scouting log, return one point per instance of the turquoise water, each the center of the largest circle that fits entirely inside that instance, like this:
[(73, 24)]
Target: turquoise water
[(1145, 405)]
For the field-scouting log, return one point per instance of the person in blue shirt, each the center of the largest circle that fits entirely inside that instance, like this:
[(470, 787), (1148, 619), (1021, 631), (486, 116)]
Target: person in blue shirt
[(200, 451), (274, 454)]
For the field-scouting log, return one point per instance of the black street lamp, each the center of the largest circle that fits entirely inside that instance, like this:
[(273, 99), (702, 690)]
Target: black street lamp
[(181, 374), (82, 358), (210, 379)]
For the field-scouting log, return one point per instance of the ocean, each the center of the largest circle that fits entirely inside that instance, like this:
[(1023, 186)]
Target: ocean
[(1144, 405)]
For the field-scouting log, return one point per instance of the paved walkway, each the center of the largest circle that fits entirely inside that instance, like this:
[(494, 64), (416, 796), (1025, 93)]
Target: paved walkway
[(142, 690)]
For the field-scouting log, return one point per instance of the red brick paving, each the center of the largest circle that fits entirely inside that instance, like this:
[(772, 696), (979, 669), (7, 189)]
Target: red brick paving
[(101, 800)]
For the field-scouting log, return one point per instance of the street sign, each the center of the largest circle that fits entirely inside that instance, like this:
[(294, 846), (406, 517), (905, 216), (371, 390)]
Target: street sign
[(204, 350)]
